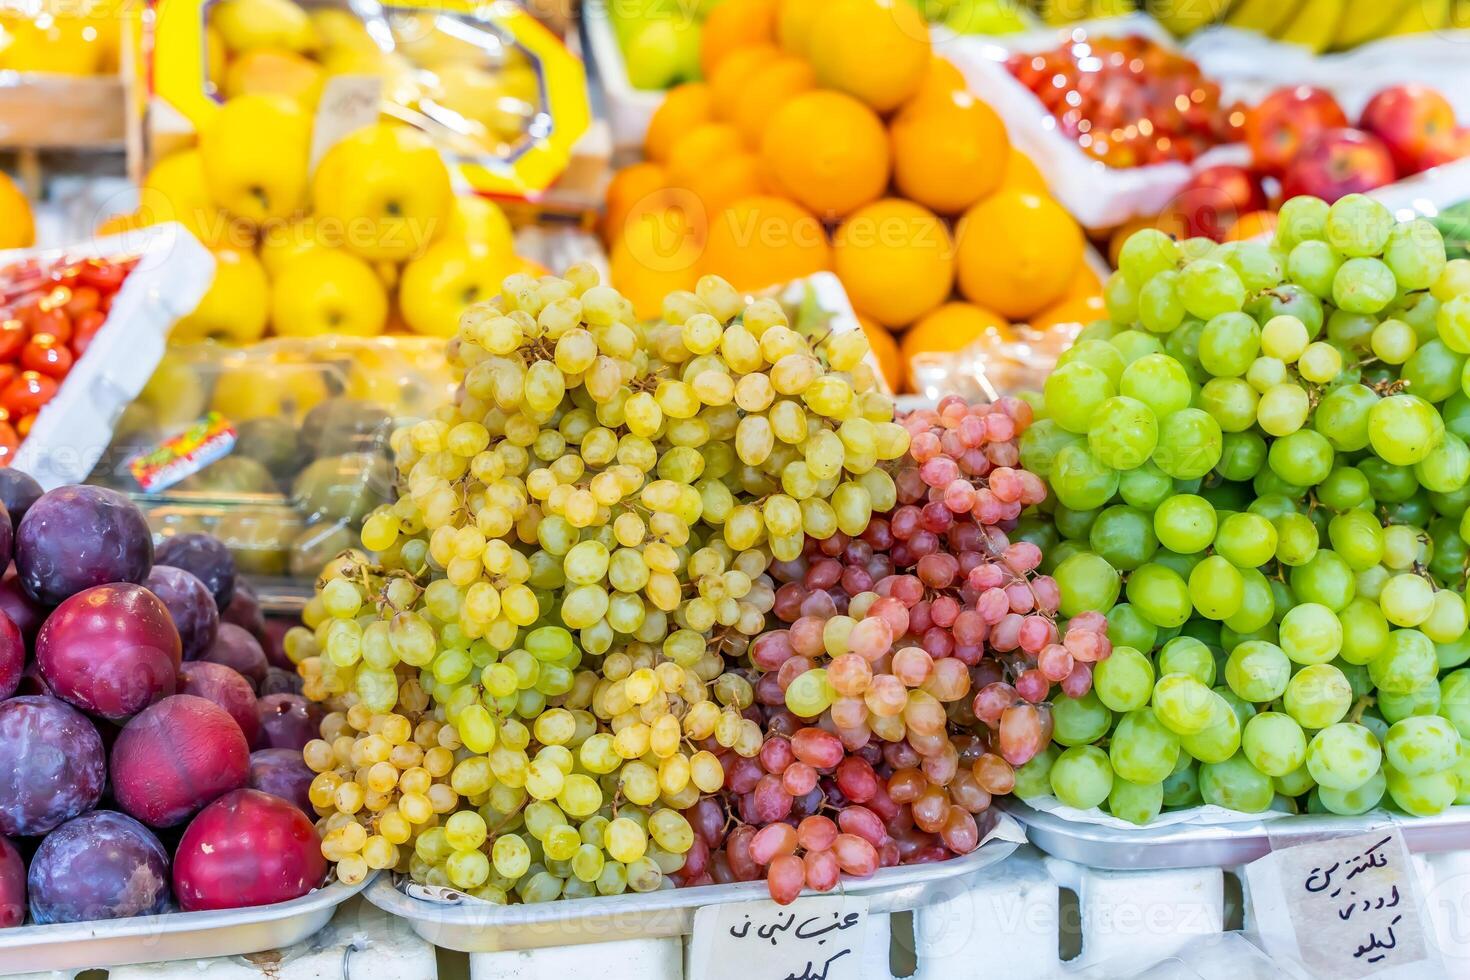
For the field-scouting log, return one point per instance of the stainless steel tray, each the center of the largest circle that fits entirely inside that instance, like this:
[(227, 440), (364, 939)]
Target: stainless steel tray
[(170, 936), (480, 927), (1221, 845)]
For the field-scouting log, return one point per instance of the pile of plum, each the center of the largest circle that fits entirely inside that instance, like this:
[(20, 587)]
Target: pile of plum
[(150, 733)]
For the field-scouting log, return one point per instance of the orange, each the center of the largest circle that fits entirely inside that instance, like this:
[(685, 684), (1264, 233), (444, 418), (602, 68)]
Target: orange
[(794, 23), (726, 181), (765, 241), (700, 149), (1071, 309), (684, 107), (1017, 253), (952, 327), (1251, 225), (828, 151), (658, 252), (729, 79), (941, 79), (895, 260), (885, 349), (948, 153), (627, 188), (770, 87), (1085, 283), (876, 50), (118, 223), (17, 225), (734, 24), (1022, 175)]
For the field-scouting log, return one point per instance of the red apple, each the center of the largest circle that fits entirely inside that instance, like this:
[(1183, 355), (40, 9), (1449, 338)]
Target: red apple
[(247, 848), (1411, 120), (1214, 199), (1285, 120), (175, 757), (1448, 148), (1337, 163)]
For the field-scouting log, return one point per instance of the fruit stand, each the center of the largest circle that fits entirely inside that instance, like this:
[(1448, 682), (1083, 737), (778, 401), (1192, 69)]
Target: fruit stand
[(789, 488)]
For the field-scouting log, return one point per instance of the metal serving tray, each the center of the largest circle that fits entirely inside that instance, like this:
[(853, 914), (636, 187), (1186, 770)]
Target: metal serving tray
[(480, 927), (1222, 845), (69, 946)]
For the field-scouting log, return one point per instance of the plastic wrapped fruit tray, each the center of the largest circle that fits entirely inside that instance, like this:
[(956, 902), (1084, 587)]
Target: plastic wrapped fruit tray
[(71, 946), (473, 926), (1200, 844)]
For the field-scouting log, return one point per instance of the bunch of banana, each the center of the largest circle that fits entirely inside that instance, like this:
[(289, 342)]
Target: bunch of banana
[(1319, 25)]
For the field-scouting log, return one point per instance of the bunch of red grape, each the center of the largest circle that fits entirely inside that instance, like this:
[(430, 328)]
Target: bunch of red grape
[(875, 753)]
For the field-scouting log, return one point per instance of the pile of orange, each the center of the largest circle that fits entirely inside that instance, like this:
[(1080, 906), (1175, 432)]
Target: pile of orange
[(827, 135)]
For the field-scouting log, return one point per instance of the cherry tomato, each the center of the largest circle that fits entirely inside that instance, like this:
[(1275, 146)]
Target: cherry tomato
[(27, 394), (53, 323), (105, 276), (12, 339), (9, 442), (84, 299), (45, 355), (86, 329), (8, 373), (24, 425)]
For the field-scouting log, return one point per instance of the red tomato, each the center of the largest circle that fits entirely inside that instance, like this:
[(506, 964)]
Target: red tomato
[(87, 326), (84, 299), (54, 323), (105, 276), (46, 356), (12, 339), (27, 394), (23, 427)]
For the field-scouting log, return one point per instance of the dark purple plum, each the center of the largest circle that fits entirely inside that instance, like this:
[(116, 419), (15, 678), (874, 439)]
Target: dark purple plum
[(239, 651), (111, 650), (287, 721), (189, 604), (278, 681), (244, 610), (102, 865), (175, 757), (12, 656), (207, 558), (7, 537), (12, 886), (75, 538), (17, 492), (273, 639), (226, 688), (24, 611), (281, 772), (52, 766)]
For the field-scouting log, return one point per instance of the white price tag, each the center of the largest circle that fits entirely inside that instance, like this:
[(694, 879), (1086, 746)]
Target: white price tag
[(1345, 908), (347, 104), (818, 938)]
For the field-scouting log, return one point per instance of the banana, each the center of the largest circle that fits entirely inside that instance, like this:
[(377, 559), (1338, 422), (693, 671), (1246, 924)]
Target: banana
[(1364, 20), (1263, 16), (1314, 25), (1421, 16), (1187, 16)]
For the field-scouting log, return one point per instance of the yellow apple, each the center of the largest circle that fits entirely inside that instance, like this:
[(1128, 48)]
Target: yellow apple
[(328, 291), (282, 242), (272, 70), (248, 24), (175, 190), (255, 151), (479, 219), (387, 188), (338, 28), (235, 307), (438, 285), (215, 56), (285, 390), (482, 97), (175, 392), (419, 38), (53, 45)]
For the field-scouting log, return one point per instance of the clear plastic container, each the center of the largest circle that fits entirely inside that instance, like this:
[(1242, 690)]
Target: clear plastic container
[(294, 448)]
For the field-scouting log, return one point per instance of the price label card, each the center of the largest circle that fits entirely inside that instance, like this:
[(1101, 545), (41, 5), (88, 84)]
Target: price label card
[(818, 938), (347, 104), (1346, 907)]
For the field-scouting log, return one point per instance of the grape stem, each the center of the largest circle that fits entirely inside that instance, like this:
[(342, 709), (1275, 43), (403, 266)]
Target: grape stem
[(1363, 704)]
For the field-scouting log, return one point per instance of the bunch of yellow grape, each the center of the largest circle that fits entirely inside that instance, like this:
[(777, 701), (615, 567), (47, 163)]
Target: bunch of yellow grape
[(538, 665)]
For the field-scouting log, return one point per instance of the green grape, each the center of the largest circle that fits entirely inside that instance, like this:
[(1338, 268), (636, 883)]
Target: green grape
[(1447, 467), (1359, 800), (1147, 253), (1183, 704), (1283, 409), (1258, 671), (1236, 784), (1318, 696), (1296, 540), (1219, 740), (1313, 265), (1288, 299), (1295, 783), (1124, 537), (1230, 402), (1454, 700), (1274, 743), (1404, 429), (1181, 787), (1415, 253), (1257, 604), (1033, 779), (1120, 298), (1396, 706), (1160, 305), (1406, 599), (1343, 756), (1086, 582), (1185, 523), (1073, 393), (1125, 680), (1135, 345), (1040, 444), (1301, 219), (1137, 803), (1079, 721), (1357, 225), (1228, 344), (1364, 631), (1187, 655), (1357, 538), (1393, 341), (1242, 455), (1258, 266), (1189, 444), (1075, 525), (1128, 628), (1311, 633), (1434, 372), (1123, 433), (1158, 593), (1145, 487), (1325, 579), (1423, 795), (1342, 416), (1246, 540), (1303, 457), (1363, 285), (1216, 588), (1422, 744), (1081, 777), (1141, 749), (1208, 288), (1453, 323), (1100, 354), (1159, 381), (1080, 480)]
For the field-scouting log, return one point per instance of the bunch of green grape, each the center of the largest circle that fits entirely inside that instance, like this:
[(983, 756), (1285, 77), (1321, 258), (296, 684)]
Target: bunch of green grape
[(557, 606), (1262, 477)]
